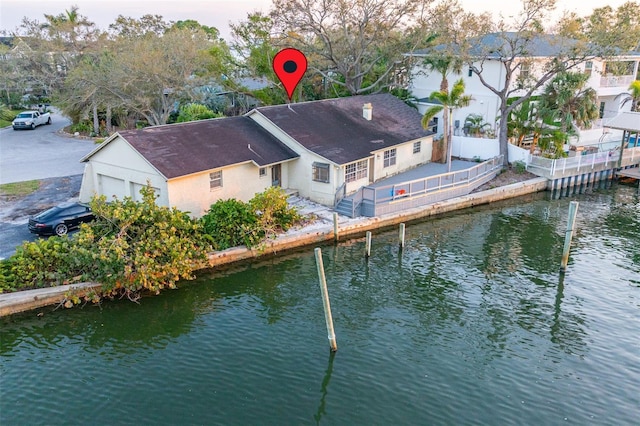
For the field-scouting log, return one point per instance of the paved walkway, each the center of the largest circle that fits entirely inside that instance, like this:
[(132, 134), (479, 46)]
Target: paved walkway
[(426, 170)]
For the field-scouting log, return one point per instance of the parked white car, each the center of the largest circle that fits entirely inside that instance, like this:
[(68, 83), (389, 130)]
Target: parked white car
[(30, 120)]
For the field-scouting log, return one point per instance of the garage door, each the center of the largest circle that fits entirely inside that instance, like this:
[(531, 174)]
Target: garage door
[(135, 191), (110, 186)]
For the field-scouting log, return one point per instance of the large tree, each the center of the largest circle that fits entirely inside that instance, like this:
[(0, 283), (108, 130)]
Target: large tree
[(518, 49), (156, 72), (614, 28), (356, 45), (51, 49)]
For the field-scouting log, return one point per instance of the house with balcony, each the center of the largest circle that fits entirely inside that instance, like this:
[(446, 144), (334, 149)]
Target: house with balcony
[(609, 77)]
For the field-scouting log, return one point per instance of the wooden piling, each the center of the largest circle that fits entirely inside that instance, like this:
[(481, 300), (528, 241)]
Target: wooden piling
[(573, 210), (335, 227), (367, 252), (401, 235), (325, 300)]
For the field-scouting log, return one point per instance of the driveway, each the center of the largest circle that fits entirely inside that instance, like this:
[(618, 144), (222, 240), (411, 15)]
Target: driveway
[(44, 154), (41, 153)]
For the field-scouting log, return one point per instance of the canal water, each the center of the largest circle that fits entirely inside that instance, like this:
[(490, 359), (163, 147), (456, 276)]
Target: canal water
[(470, 324)]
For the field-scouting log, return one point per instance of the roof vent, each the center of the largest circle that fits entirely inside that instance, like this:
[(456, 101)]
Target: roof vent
[(367, 111)]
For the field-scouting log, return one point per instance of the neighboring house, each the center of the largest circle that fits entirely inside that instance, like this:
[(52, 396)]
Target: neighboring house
[(316, 148), (610, 78), (190, 165)]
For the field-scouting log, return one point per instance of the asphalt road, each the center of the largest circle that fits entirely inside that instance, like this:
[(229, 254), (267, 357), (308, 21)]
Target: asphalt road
[(43, 154)]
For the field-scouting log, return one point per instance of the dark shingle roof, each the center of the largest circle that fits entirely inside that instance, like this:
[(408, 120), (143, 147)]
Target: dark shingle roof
[(186, 148), (336, 129)]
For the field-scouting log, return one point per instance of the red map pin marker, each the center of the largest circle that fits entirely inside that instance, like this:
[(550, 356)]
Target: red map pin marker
[(290, 65)]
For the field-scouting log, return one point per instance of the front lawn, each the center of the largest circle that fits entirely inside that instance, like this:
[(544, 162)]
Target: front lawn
[(19, 189)]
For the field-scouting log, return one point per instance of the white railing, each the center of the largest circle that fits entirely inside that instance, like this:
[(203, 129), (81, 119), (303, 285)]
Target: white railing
[(616, 81), (580, 164), (397, 197)]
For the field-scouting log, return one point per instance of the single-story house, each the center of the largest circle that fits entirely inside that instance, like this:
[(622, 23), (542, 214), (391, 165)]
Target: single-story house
[(317, 148), (190, 165), (346, 143)]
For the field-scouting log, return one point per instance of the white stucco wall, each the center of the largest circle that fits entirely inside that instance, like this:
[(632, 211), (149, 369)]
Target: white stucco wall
[(484, 149), (243, 181), (118, 161), (484, 101)]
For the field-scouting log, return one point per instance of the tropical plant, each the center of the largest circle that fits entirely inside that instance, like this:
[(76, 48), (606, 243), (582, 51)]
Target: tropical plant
[(448, 103), (551, 143), (475, 124), (444, 65), (568, 102), (194, 112), (633, 96)]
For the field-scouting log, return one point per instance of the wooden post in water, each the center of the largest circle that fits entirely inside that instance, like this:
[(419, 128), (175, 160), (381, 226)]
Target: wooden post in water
[(401, 235), (367, 247), (573, 210), (325, 300), (367, 252), (335, 227)]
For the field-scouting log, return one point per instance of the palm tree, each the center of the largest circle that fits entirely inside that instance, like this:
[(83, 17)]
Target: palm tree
[(449, 101), (567, 100), (444, 65), (634, 96)]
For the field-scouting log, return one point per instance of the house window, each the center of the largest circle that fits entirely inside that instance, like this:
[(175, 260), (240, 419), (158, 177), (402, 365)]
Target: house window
[(417, 146), (390, 157), (602, 105), (355, 171), (524, 76), (320, 172), (470, 72), (263, 172), (588, 67), (525, 70), (215, 179)]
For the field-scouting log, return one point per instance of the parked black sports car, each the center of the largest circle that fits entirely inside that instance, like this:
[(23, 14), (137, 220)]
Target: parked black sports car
[(60, 219)]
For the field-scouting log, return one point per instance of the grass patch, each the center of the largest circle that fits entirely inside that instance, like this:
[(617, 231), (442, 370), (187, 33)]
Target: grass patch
[(7, 117), (19, 189)]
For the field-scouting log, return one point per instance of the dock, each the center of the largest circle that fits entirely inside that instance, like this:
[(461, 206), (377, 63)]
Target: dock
[(633, 172)]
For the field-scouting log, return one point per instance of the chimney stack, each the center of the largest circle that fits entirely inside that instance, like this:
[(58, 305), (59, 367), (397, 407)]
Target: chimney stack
[(367, 111)]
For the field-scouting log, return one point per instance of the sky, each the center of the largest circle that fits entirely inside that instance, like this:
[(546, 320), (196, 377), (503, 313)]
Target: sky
[(215, 13)]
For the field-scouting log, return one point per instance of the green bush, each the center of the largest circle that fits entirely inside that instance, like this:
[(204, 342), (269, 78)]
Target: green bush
[(84, 126), (231, 223), (519, 167), (47, 263), (129, 247), (193, 112), (142, 246), (273, 212)]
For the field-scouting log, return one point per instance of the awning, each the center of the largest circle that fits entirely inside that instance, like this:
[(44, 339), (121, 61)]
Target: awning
[(624, 121)]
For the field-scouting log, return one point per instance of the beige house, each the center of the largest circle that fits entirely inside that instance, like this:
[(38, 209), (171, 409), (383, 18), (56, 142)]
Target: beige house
[(190, 165), (319, 149)]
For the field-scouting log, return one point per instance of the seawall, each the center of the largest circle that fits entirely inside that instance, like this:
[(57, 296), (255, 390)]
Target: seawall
[(12, 303)]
